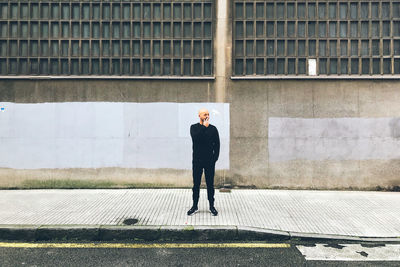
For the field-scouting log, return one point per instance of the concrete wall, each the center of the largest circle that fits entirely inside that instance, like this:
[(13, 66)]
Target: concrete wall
[(30, 110), (283, 134), (315, 134), (323, 134)]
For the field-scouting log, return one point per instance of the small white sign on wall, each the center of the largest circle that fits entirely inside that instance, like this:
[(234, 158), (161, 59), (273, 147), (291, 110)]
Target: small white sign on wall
[(312, 66)]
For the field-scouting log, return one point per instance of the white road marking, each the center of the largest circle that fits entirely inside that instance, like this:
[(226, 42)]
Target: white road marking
[(351, 252)]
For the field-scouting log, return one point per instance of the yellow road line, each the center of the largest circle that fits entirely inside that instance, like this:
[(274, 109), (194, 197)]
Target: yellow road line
[(159, 245)]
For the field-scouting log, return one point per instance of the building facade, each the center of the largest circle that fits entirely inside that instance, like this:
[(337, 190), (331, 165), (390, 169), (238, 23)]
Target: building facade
[(305, 93)]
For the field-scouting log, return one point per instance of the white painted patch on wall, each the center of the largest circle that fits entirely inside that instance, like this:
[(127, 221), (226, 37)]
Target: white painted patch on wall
[(105, 134), (351, 252), (333, 139)]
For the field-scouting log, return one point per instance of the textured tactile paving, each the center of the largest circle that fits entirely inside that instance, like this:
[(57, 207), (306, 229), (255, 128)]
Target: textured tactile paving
[(364, 214)]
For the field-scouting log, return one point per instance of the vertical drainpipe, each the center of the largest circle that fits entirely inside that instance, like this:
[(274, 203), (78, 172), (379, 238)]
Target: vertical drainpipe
[(222, 48)]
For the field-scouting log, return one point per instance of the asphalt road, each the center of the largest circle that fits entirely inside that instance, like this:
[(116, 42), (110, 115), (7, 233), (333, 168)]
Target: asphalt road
[(193, 254)]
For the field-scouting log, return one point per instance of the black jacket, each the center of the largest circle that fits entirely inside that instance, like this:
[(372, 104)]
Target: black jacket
[(205, 142)]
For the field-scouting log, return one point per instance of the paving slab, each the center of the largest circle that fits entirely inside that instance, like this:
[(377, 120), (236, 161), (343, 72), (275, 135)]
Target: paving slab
[(161, 214)]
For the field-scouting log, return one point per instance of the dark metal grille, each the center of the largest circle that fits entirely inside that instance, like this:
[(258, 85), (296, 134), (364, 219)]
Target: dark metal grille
[(343, 37), (133, 38)]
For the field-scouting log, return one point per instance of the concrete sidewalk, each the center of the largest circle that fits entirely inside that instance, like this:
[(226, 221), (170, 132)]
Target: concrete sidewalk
[(161, 215)]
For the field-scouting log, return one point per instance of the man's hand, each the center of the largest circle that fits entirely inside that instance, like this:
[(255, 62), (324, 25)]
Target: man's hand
[(206, 122)]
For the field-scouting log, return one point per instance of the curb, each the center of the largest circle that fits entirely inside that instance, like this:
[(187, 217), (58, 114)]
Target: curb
[(169, 233)]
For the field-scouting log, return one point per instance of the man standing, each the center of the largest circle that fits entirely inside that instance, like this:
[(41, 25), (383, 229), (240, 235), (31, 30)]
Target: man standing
[(205, 139)]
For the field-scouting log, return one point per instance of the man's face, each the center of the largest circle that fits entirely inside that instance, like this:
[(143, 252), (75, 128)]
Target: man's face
[(204, 115)]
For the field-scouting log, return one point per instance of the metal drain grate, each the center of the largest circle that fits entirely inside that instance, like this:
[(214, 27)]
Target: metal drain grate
[(130, 221)]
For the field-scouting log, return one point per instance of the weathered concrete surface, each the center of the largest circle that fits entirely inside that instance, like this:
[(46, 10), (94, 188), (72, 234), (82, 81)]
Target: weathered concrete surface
[(109, 177), (252, 104), (142, 91), (222, 50), (255, 102), (120, 177), (379, 99), (134, 91), (161, 213)]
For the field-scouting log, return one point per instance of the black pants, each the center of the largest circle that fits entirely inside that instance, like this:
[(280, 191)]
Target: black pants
[(209, 171)]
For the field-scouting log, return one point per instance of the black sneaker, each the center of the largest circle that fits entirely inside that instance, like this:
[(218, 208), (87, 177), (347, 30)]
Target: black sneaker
[(192, 211), (213, 211)]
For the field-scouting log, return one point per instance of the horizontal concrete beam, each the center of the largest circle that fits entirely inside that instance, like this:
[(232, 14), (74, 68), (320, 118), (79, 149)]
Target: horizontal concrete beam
[(94, 77)]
